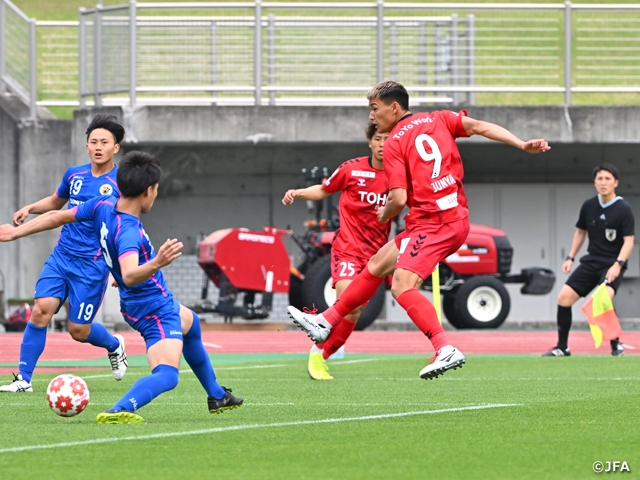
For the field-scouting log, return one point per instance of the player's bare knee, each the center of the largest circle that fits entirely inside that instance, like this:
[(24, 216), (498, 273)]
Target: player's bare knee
[(79, 332), (398, 289), (380, 266), (39, 317)]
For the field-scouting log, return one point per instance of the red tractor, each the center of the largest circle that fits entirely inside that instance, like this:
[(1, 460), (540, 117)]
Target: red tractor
[(251, 263), (246, 262)]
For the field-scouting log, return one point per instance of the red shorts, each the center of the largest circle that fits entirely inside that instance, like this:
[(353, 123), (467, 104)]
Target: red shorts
[(345, 266), (423, 245)]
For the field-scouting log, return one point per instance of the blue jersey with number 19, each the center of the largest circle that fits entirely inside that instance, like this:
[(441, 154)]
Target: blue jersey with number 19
[(121, 234), (79, 185)]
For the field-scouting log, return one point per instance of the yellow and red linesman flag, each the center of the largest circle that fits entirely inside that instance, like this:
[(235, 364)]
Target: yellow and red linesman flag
[(603, 320)]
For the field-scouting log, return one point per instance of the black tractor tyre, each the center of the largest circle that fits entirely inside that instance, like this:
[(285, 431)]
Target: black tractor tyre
[(295, 292), (481, 302), (316, 289), (449, 308)]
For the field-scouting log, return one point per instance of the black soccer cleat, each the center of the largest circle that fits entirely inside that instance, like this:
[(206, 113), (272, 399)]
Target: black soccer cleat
[(616, 348), (558, 352), (227, 402)]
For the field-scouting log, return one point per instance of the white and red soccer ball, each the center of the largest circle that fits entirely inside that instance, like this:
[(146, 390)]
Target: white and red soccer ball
[(68, 395)]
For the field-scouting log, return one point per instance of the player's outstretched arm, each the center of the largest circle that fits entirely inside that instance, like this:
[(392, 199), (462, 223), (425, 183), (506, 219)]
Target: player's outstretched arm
[(313, 193), (133, 274), (44, 205), (501, 134), (46, 221)]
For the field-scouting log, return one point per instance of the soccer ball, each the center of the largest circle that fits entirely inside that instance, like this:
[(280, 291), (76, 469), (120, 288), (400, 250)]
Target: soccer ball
[(68, 395)]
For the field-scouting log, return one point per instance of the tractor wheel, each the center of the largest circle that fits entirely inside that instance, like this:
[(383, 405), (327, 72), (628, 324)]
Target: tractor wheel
[(295, 292), (318, 293), (449, 308), (481, 302)]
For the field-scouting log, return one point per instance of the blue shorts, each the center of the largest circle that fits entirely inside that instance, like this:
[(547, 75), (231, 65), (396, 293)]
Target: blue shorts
[(155, 320), (82, 280)]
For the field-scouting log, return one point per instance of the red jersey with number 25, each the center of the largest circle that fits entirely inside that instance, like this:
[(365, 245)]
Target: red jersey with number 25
[(422, 157), (364, 190)]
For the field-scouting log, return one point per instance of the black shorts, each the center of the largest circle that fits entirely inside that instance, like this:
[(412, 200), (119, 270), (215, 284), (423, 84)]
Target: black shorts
[(590, 273)]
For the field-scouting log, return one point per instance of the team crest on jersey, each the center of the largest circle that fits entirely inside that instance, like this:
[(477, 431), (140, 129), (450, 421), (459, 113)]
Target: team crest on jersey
[(106, 189), (610, 233)]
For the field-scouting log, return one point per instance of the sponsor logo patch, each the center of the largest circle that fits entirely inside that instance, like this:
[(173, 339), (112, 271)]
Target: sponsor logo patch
[(360, 173), (447, 202)]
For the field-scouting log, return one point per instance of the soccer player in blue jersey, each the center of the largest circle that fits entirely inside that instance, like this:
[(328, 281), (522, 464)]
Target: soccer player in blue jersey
[(75, 269), (168, 328)]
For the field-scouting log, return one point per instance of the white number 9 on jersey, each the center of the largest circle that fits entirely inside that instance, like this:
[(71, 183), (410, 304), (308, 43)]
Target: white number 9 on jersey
[(435, 156)]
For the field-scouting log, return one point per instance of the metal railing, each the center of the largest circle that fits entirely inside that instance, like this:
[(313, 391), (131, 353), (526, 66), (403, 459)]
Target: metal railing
[(18, 54), (320, 53), (202, 58)]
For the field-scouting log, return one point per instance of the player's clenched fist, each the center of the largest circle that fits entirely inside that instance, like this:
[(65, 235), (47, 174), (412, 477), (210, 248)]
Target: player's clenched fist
[(169, 251), (6, 232), (536, 146), (289, 197)]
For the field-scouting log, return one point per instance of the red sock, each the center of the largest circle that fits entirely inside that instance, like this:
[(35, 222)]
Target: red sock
[(337, 338), (360, 291), (424, 315)]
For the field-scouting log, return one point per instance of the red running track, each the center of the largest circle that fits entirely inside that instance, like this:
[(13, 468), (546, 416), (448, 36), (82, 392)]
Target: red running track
[(60, 346)]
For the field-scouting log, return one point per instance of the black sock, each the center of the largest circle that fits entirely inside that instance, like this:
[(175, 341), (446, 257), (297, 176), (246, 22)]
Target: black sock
[(564, 325)]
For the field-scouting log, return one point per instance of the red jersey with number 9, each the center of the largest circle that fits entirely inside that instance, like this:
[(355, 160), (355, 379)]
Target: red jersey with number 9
[(421, 156), (364, 190)]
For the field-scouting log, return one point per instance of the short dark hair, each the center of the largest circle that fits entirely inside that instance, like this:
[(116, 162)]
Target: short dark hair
[(108, 122), (370, 130), (136, 172), (608, 167), (389, 92)]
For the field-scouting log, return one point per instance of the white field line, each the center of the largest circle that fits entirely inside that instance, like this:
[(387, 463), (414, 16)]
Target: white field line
[(345, 362), (252, 427), (252, 367)]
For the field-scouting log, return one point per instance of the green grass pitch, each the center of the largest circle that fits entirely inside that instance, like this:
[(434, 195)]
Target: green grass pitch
[(504, 416)]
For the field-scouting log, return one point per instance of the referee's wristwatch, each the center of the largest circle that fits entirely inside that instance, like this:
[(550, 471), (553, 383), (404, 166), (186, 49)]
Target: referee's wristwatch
[(620, 262), (569, 257)]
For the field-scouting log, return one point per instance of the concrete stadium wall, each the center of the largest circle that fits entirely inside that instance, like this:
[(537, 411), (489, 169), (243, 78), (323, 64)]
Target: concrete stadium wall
[(229, 166), (33, 158)]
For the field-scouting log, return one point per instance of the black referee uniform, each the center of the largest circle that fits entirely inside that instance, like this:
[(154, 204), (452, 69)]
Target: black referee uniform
[(606, 226)]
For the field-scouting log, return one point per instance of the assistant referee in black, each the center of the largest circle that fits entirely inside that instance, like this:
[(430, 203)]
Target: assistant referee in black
[(608, 221)]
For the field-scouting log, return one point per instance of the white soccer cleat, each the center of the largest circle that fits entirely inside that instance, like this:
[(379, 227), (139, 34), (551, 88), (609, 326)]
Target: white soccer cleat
[(118, 360), (17, 386), (446, 358), (307, 323)]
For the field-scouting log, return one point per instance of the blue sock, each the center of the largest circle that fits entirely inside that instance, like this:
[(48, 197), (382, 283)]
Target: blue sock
[(100, 337), (162, 379), (31, 348), (198, 359)]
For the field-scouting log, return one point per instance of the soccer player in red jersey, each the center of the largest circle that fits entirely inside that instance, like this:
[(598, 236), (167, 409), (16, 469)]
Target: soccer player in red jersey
[(424, 168), (364, 190)]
